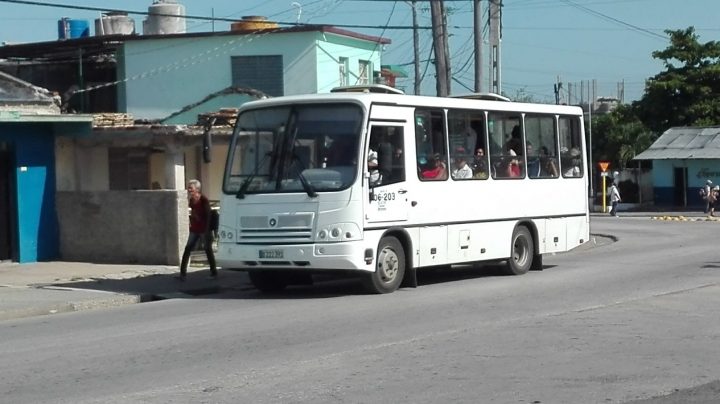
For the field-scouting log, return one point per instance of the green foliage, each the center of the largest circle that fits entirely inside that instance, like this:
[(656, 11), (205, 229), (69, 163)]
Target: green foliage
[(619, 136), (686, 93)]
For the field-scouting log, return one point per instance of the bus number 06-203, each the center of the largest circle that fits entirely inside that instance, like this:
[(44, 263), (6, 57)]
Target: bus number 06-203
[(388, 196)]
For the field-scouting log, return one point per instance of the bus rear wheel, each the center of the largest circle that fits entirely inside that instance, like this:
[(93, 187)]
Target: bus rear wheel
[(521, 252), (267, 282), (389, 267)]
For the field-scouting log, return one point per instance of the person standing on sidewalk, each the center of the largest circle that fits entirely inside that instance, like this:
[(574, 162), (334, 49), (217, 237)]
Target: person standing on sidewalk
[(614, 199), (705, 194), (199, 229), (712, 199)]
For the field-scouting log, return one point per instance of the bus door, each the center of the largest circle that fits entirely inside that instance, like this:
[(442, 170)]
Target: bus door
[(387, 198)]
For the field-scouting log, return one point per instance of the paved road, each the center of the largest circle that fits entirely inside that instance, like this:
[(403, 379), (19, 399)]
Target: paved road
[(620, 322)]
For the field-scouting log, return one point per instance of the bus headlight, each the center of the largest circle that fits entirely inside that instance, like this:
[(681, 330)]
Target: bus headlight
[(339, 232)]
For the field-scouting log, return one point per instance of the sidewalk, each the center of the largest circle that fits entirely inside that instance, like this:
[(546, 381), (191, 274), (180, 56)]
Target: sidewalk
[(663, 215), (54, 287)]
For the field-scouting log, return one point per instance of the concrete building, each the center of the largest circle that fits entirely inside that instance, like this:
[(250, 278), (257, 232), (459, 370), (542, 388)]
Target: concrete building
[(119, 191), (30, 123), (683, 159)]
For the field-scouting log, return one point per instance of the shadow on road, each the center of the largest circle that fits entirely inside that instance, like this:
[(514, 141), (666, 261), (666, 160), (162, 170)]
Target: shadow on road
[(233, 285)]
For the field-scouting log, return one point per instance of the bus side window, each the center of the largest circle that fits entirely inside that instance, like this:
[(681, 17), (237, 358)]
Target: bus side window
[(431, 145), (506, 151), (571, 156), (541, 146), (467, 144)]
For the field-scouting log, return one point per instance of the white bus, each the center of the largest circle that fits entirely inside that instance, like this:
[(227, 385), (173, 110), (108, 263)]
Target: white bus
[(383, 184)]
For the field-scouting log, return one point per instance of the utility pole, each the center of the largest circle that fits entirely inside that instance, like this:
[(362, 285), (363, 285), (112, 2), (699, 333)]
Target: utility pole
[(477, 14), (439, 48), (416, 48), (495, 37), (446, 45)]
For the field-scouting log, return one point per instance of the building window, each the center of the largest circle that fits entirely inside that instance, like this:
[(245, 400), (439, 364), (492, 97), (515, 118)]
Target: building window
[(364, 70), (129, 169), (262, 73), (344, 71)]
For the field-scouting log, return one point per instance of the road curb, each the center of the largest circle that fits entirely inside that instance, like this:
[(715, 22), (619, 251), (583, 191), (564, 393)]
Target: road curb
[(681, 218), (114, 300)]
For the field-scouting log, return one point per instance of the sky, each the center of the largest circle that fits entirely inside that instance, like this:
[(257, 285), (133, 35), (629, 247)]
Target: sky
[(605, 44)]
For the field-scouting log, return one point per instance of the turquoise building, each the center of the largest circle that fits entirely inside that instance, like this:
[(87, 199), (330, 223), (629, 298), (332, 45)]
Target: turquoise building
[(29, 124), (683, 159), (161, 75)]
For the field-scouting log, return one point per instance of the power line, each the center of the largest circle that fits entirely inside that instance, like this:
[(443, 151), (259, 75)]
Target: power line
[(615, 20), (203, 18)]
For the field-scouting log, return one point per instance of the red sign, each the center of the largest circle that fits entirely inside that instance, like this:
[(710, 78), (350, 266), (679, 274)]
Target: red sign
[(604, 165)]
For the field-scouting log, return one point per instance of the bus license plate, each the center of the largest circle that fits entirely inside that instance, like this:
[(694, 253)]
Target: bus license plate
[(271, 254)]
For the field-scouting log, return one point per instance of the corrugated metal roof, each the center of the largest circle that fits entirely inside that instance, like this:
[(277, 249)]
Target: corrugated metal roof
[(685, 143)]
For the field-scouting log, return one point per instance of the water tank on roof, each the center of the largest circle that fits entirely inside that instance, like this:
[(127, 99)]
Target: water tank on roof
[(165, 17), (114, 23), (69, 28), (253, 23)]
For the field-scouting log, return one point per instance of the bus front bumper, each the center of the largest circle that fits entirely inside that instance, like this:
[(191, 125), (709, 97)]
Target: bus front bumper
[(328, 256)]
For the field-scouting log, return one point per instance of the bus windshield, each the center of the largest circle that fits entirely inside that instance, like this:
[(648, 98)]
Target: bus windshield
[(294, 148)]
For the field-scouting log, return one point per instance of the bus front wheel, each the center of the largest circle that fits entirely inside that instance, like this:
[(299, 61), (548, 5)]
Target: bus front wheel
[(389, 267), (521, 252)]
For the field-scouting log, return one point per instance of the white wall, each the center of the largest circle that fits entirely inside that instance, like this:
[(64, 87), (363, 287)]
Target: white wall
[(81, 168)]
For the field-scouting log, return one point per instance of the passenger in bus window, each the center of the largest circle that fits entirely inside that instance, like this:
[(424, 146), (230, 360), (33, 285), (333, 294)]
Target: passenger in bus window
[(512, 168), (533, 161), (575, 162), (436, 170), (479, 164), (514, 143), (548, 167), (461, 171), (373, 168)]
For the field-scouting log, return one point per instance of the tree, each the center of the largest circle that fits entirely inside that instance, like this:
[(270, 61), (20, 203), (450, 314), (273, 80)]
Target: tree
[(620, 136), (687, 93)]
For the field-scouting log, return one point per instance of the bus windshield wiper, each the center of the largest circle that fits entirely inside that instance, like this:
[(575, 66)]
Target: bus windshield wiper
[(309, 189)]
